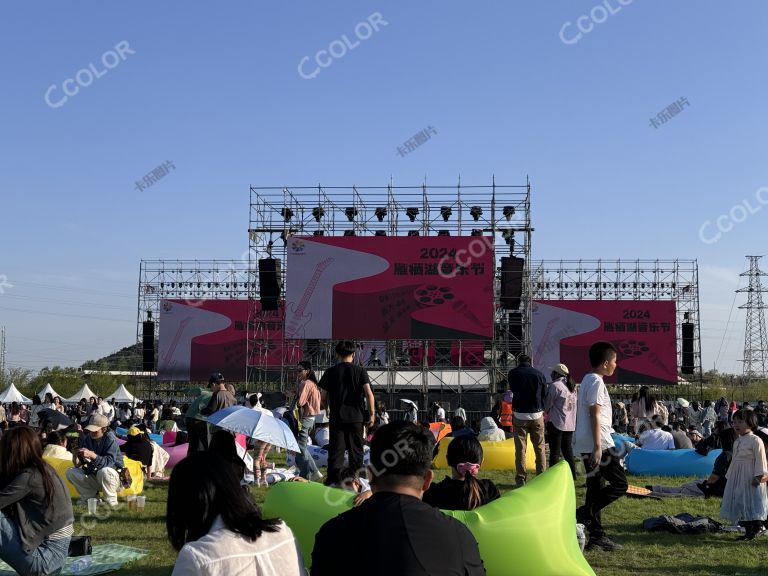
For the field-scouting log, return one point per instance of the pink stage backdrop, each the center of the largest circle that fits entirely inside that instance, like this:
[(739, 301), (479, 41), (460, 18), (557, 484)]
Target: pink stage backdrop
[(204, 336), (644, 332), (380, 288)]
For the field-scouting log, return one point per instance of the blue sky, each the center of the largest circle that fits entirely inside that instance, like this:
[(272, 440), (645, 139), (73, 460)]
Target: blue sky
[(215, 88)]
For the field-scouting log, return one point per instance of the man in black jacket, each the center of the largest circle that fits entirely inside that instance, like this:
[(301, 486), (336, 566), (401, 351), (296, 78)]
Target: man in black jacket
[(528, 387), (393, 531)]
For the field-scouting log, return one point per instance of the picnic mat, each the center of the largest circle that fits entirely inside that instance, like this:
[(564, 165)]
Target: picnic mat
[(106, 558), (640, 492)]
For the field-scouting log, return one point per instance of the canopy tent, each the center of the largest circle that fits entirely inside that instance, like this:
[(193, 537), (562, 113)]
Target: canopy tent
[(84, 392), (121, 395), (44, 391), (12, 394)]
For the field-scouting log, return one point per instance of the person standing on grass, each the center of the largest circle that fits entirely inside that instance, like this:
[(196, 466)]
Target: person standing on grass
[(308, 403), (593, 441), (560, 407), (348, 387), (745, 499), (528, 387)]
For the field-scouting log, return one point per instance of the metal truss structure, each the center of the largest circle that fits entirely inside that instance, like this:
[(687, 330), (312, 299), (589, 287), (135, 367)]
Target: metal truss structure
[(676, 280), (502, 213), (188, 280), (755, 340)]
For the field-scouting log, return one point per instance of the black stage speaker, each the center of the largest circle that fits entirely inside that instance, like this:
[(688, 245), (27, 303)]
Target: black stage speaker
[(269, 283), (511, 282), (687, 365), (148, 346)]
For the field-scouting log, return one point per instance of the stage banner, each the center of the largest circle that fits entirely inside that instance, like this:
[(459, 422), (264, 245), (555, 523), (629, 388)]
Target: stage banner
[(643, 332), (199, 337), (383, 288)]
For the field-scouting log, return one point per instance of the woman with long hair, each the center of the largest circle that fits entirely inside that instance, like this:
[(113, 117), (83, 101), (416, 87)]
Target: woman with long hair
[(57, 405), (462, 491), (308, 399), (35, 509), (218, 529), (560, 407), (642, 409)]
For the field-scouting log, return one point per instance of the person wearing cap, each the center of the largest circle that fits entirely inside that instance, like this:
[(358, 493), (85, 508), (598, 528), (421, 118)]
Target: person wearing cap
[(99, 459), (221, 397), (560, 408), (528, 387)]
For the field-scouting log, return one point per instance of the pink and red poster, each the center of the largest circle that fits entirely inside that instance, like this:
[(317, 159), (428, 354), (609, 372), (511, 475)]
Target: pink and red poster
[(199, 337), (643, 332), (382, 288)]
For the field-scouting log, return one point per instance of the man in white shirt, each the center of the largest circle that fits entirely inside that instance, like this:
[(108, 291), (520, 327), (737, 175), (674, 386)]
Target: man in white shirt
[(655, 438), (593, 441)]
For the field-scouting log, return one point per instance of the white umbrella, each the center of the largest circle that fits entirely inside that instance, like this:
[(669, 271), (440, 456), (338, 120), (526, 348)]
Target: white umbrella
[(411, 402), (255, 424)]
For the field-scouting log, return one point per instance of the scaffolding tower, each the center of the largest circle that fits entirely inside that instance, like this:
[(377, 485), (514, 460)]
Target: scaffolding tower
[(499, 212), (755, 341)]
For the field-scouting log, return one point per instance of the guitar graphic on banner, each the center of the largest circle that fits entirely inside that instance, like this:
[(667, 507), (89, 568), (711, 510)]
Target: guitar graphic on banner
[(169, 359), (299, 320)]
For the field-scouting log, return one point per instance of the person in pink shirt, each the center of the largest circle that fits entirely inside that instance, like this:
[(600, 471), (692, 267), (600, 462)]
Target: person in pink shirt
[(308, 402)]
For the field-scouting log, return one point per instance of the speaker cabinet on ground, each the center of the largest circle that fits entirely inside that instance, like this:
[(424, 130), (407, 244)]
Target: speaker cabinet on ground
[(511, 282), (148, 346), (269, 283), (687, 364)]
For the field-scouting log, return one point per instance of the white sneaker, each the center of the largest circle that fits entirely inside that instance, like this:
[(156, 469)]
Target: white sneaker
[(316, 476)]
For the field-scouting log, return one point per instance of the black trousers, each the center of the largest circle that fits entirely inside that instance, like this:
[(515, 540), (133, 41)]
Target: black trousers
[(600, 495), (343, 437), (560, 442), (197, 430)]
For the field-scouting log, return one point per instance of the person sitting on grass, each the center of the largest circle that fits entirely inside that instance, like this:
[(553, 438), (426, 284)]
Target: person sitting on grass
[(704, 487), (36, 517), (654, 438), (490, 432), (56, 446), (351, 481), (167, 423), (218, 529), (138, 447), (459, 428), (462, 491), (97, 462)]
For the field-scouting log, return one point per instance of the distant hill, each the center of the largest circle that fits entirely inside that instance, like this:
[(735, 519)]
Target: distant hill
[(128, 358)]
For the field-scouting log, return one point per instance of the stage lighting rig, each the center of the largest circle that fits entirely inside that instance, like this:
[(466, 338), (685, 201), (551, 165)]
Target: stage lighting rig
[(445, 212), (412, 213), (380, 213), (476, 212)]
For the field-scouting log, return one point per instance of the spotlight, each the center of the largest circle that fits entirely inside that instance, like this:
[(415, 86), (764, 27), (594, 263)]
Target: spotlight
[(411, 213), (351, 212), (445, 212), (270, 244), (380, 213), (507, 234), (380, 233), (285, 234), (476, 212), (413, 232), (349, 232), (477, 232), (318, 212), (318, 233), (508, 212), (286, 213), (443, 233)]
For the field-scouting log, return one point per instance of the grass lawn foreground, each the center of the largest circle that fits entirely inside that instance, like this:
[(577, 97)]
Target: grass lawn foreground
[(644, 553)]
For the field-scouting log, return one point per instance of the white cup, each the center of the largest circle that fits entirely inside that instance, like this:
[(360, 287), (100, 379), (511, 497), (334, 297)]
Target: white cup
[(140, 503), (93, 505)]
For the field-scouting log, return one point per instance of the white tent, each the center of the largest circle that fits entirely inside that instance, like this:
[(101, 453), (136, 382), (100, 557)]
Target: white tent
[(84, 392), (12, 394), (44, 391), (121, 395)]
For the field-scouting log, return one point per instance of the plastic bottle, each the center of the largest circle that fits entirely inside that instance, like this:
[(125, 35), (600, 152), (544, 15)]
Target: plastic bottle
[(80, 564)]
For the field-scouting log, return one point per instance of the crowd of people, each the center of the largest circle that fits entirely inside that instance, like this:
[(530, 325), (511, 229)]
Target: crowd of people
[(218, 529)]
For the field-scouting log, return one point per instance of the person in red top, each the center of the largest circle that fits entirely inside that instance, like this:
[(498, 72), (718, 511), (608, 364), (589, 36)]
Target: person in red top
[(308, 402)]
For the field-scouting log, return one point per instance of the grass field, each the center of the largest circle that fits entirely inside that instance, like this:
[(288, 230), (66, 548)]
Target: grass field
[(644, 553)]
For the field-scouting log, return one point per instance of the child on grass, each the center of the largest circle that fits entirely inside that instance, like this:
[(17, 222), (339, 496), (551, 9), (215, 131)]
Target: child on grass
[(745, 499)]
